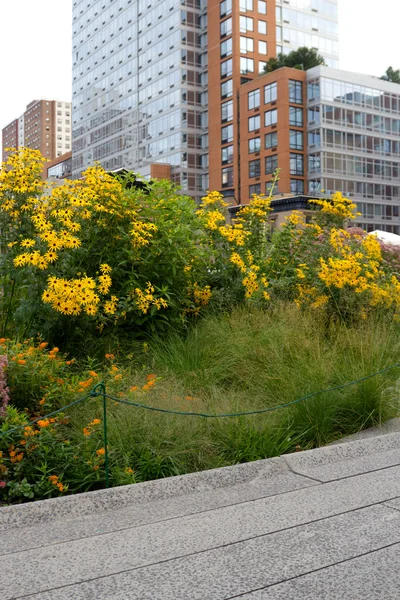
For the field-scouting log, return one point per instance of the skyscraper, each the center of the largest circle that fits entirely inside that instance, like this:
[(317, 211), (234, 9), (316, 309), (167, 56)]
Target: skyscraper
[(158, 81), (45, 125)]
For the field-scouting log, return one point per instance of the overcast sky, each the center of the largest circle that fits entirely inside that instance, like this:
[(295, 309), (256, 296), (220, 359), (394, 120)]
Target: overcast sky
[(35, 47)]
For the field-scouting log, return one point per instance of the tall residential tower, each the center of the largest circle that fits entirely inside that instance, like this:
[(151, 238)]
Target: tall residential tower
[(158, 81)]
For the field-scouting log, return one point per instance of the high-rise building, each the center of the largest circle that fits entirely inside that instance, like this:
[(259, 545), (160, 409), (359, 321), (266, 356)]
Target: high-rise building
[(139, 71), (45, 125), (158, 81), (354, 143)]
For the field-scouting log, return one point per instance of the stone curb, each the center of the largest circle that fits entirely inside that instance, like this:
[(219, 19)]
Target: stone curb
[(79, 505)]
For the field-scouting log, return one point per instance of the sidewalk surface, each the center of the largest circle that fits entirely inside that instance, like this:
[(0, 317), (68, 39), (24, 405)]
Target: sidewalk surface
[(322, 524)]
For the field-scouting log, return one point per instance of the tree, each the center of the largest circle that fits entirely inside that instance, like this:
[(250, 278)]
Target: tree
[(303, 59), (392, 75)]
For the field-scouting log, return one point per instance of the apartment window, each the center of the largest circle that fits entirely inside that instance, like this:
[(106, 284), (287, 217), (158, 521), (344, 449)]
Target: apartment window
[(271, 117), (253, 99), (226, 48), (59, 113), (226, 68), (296, 116), (254, 145), (227, 155), (295, 92), (227, 177), (271, 140), (246, 65), (246, 44), (225, 8), (262, 27), (245, 5), (296, 164), (227, 134), (254, 168), (226, 89), (262, 66), (271, 164), (246, 24), (296, 140), (262, 47), (254, 123), (227, 111), (270, 93), (297, 186), (254, 189), (226, 27), (271, 188), (262, 7)]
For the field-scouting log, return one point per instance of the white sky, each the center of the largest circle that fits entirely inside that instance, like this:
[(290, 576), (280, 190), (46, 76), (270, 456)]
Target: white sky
[(35, 46)]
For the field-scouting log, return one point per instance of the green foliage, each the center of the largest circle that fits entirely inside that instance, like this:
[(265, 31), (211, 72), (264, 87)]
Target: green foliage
[(303, 58), (392, 75)]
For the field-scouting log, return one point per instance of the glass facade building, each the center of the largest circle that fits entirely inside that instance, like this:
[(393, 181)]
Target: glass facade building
[(354, 143), (311, 23), (139, 87)]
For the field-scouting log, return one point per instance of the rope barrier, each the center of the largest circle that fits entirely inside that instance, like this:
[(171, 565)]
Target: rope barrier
[(100, 391)]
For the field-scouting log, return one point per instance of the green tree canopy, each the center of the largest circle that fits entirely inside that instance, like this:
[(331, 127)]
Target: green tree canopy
[(392, 75), (303, 58)]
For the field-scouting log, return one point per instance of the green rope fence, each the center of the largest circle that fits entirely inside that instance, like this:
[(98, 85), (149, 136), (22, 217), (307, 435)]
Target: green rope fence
[(99, 391)]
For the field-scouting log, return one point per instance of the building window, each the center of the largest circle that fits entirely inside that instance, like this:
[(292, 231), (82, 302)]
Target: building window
[(254, 189), (262, 27), (296, 116), (271, 188), (262, 7), (254, 168), (227, 177), (271, 164), (271, 117), (296, 164), (227, 111), (245, 24), (227, 134), (226, 89), (226, 68), (270, 93), (254, 99), (254, 123), (226, 27), (227, 155), (297, 186), (262, 47), (271, 140), (296, 140), (246, 44), (226, 48), (295, 92), (246, 65), (245, 5), (254, 145), (262, 67), (225, 8)]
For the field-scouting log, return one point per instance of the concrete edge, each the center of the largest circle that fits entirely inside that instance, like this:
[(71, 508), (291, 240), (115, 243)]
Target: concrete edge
[(32, 513), (77, 505), (342, 452)]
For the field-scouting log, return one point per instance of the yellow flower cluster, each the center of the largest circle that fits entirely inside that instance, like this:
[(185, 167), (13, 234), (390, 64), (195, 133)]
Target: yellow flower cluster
[(72, 297), (142, 232), (144, 300), (201, 296), (337, 206), (234, 234), (259, 208), (310, 296), (20, 175)]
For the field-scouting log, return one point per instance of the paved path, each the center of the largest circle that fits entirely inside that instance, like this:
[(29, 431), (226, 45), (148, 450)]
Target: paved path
[(316, 525)]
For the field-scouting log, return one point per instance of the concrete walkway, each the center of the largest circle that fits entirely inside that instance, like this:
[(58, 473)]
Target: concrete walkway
[(316, 525)]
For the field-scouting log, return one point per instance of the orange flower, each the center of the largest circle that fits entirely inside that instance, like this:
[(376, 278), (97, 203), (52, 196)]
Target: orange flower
[(22, 362), (134, 388), (54, 351), (2, 340), (60, 487), (151, 377), (86, 431), (53, 479), (93, 374), (43, 344), (96, 467), (42, 401), (101, 452), (43, 423), (189, 398), (110, 356), (119, 376), (95, 422)]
